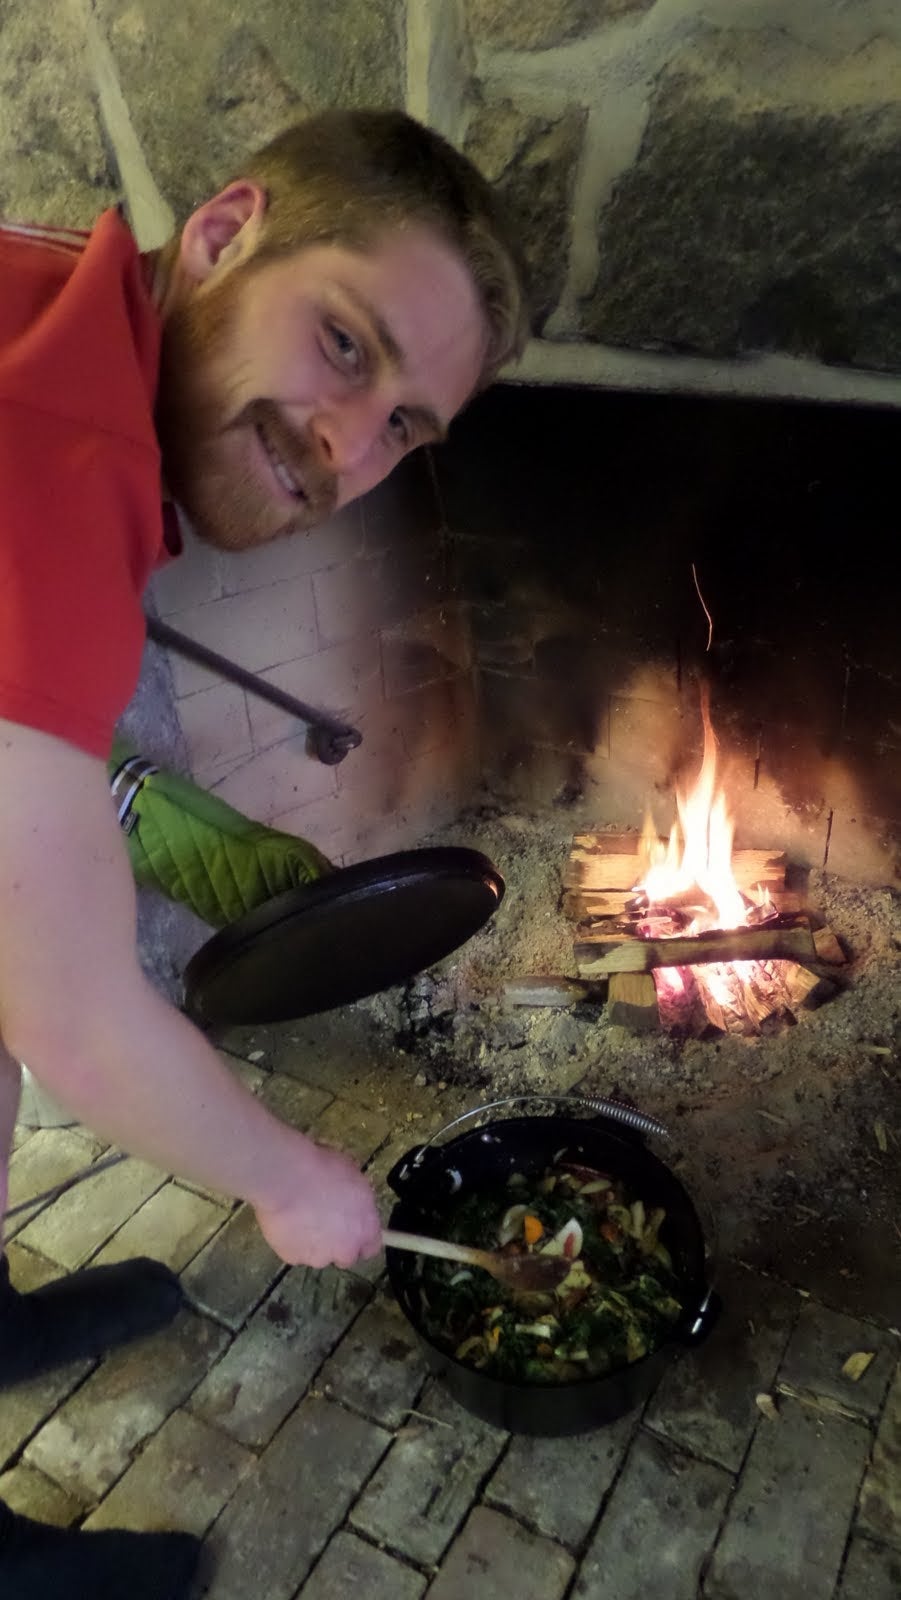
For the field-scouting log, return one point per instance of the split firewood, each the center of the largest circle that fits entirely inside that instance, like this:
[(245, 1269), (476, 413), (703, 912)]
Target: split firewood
[(743, 1000), (609, 844), (828, 948), (632, 1002), (786, 902), (807, 986), (585, 905), (612, 861), (587, 870), (607, 933), (596, 957)]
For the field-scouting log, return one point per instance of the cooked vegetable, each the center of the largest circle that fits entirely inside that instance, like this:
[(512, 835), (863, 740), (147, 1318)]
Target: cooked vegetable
[(532, 1228), (618, 1301)]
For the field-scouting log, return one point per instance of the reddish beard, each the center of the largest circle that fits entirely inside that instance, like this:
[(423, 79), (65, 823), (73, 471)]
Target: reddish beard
[(213, 465)]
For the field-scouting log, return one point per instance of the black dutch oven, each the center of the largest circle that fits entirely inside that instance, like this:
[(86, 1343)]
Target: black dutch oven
[(431, 1176)]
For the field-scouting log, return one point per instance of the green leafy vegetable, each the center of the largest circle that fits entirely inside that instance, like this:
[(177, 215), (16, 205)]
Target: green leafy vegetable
[(618, 1302)]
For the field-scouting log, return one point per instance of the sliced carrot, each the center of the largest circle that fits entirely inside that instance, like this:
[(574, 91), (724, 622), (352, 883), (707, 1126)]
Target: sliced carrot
[(532, 1227), (610, 1232)]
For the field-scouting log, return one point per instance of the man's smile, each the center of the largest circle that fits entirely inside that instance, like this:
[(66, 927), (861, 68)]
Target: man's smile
[(281, 471)]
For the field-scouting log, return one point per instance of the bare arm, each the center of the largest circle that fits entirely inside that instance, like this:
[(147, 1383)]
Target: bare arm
[(75, 1006)]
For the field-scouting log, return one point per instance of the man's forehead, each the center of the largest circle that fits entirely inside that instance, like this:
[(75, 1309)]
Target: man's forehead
[(398, 266)]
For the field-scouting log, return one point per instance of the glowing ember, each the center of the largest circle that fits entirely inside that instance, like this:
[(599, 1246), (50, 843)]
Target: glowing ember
[(689, 882)]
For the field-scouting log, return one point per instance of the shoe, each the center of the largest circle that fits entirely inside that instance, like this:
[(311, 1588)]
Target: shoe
[(39, 1562), (84, 1314)]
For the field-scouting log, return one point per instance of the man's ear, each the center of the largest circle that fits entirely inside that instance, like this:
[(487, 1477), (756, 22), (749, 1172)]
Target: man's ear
[(222, 230)]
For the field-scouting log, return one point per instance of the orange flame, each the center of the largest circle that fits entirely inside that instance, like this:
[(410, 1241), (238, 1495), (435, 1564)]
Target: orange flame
[(694, 868)]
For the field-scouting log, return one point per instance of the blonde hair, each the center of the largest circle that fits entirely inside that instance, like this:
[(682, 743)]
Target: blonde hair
[(343, 177)]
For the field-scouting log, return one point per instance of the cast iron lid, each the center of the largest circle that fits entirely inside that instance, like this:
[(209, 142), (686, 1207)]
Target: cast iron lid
[(353, 933)]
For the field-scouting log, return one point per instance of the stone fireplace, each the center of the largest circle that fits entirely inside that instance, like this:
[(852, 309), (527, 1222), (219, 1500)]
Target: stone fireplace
[(707, 415), (707, 197)]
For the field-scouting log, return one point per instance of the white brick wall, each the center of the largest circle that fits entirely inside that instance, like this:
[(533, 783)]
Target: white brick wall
[(319, 615)]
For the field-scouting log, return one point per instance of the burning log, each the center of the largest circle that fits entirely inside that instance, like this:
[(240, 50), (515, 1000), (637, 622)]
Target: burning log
[(785, 940), (615, 912), (604, 862)]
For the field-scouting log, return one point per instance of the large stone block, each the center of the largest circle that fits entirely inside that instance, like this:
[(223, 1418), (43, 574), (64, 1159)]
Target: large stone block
[(53, 157), (539, 24), (206, 85), (532, 159), (761, 211)]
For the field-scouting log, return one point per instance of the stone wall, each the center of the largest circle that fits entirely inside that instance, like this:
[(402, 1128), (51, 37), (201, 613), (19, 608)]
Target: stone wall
[(708, 190), (710, 181)]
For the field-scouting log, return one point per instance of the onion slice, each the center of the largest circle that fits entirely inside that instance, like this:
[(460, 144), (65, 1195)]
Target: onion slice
[(511, 1224)]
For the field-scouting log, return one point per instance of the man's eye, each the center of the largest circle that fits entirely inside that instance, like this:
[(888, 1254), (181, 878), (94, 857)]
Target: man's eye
[(345, 348)]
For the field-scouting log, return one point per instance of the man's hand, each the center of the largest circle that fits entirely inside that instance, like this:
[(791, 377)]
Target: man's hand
[(76, 1006), (332, 1219)]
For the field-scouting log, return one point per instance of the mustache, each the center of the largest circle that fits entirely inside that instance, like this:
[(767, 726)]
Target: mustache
[(298, 451)]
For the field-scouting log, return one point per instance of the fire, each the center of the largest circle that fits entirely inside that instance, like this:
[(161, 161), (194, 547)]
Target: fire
[(689, 887), (692, 873)]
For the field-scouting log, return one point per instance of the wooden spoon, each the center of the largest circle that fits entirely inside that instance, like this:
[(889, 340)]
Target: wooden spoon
[(525, 1273)]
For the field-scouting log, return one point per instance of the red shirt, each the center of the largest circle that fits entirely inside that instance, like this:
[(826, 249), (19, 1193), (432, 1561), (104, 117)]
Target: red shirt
[(82, 525)]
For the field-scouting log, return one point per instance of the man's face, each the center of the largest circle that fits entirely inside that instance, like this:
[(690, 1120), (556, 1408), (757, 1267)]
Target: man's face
[(289, 387)]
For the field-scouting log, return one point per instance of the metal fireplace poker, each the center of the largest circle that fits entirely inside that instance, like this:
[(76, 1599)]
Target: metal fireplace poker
[(328, 739)]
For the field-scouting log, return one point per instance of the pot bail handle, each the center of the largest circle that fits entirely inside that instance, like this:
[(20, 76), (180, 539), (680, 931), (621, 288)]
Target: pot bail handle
[(705, 1318), (616, 1110)]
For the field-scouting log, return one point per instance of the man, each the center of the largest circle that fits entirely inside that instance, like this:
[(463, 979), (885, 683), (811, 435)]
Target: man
[(321, 316)]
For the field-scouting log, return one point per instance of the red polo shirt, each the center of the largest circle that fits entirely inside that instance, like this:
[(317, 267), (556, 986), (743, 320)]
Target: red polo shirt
[(81, 527)]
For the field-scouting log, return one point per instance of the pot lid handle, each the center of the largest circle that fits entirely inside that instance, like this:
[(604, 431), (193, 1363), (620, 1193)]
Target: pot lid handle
[(616, 1110)]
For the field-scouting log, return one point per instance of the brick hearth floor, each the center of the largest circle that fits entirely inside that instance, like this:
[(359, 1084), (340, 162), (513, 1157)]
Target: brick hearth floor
[(288, 1416)]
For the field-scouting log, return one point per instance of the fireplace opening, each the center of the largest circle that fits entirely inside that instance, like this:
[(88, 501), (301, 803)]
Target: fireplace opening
[(619, 562)]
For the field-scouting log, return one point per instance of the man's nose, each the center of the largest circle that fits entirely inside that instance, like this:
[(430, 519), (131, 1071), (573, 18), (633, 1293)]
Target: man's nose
[(345, 435)]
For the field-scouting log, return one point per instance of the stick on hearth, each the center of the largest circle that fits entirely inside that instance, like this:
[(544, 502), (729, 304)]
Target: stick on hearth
[(722, 944)]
